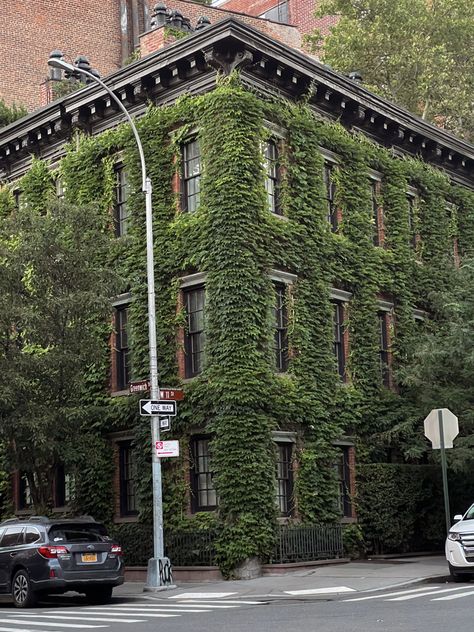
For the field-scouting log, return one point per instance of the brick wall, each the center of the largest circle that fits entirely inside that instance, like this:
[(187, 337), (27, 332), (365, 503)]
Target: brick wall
[(300, 13), (194, 10), (30, 31)]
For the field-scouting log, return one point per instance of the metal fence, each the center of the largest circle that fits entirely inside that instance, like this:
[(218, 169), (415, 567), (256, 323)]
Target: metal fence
[(307, 544), (196, 548)]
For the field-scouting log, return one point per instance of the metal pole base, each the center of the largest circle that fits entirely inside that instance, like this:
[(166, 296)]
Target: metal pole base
[(159, 575)]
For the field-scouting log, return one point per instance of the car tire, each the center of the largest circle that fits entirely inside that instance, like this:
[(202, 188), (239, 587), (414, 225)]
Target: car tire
[(99, 595), (458, 578), (22, 591)]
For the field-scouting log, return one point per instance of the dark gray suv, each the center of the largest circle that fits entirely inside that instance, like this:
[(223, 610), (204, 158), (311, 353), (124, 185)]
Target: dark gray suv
[(43, 555)]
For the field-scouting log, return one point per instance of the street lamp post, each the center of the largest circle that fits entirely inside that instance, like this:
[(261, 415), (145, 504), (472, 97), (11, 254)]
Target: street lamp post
[(159, 568)]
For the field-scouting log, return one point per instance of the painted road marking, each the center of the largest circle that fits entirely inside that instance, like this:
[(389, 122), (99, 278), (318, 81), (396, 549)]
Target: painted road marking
[(320, 591), (457, 596), (431, 592), (383, 596), (51, 624), (192, 595), (64, 617)]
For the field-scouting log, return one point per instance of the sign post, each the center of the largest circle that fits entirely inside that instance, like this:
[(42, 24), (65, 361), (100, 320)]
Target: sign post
[(441, 427)]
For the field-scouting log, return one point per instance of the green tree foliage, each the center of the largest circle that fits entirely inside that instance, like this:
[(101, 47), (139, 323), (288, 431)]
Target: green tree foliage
[(440, 375), (54, 296), (10, 114), (416, 53)]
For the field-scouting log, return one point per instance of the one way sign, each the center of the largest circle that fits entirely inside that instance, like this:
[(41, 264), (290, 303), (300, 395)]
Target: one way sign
[(157, 407)]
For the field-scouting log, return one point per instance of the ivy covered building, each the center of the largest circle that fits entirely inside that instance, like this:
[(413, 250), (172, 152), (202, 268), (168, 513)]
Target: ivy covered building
[(300, 224)]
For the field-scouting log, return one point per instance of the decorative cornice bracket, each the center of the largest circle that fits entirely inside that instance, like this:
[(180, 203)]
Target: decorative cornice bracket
[(227, 61)]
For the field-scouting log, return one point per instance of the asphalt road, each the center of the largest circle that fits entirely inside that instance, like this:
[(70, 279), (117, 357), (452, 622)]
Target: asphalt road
[(433, 606)]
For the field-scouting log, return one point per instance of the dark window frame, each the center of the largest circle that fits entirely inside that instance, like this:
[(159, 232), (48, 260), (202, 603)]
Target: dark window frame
[(201, 475), (375, 193), (330, 192), (191, 176), (342, 466), (284, 478), (271, 155), (23, 493), (63, 489), (338, 318), (194, 337), (122, 349), (127, 479), (280, 311), (412, 204), (384, 351), (122, 191)]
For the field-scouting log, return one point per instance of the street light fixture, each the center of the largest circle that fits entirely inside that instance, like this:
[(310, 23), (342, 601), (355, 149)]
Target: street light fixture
[(159, 568)]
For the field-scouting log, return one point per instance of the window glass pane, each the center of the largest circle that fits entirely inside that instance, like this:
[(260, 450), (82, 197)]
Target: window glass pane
[(191, 176), (284, 479), (31, 535), (204, 494), (194, 338), (375, 212), (339, 352), (12, 536), (270, 154), (122, 351), (280, 316), (383, 348), (330, 188), (128, 499), (122, 190)]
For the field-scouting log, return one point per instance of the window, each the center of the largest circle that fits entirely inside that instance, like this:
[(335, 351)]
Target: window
[(64, 487), (60, 188), (122, 190), (12, 536), (411, 220), (339, 352), (383, 348), (376, 211), (122, 354), (330, 188), (127, 480), (272, 176), (191, 182), (194, 337), (31, 535), (204, 495), (284, 479), (18, 198), (344, 482), (278, 13), (281, 328)]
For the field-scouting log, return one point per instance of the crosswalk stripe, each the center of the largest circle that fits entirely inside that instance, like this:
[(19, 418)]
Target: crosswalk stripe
[(22, 630), (384, 595), (457, 596), (144, 615), (320, 591), (192, 595), (81, 618), (431, 592), (51, 624), (224, 601)]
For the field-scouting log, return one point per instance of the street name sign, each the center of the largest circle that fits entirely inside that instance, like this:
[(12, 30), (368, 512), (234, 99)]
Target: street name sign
[(167, 448), (139, 387), (175, 394), (157, 407), (441, 423)]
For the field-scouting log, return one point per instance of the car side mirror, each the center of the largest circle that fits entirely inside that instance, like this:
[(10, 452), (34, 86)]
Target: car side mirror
[(457, 517)]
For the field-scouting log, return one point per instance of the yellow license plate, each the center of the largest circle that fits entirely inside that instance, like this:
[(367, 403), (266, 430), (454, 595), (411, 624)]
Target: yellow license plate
[(89, 557)]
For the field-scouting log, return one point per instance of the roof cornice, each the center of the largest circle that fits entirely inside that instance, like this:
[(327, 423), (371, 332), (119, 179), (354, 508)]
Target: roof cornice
[(161, 76)]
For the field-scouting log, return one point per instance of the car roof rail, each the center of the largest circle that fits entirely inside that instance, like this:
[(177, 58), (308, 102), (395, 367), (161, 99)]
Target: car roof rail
[(86, 517), (39, 519), (10, 520)]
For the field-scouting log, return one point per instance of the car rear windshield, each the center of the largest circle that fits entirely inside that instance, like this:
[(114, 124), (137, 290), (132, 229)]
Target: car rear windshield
[(78, 533)]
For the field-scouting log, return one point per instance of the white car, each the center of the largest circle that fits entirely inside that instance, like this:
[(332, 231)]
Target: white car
[(460, 547)]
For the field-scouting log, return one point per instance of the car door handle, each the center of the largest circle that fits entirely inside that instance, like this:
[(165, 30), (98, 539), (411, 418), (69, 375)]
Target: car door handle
[(13, 553)]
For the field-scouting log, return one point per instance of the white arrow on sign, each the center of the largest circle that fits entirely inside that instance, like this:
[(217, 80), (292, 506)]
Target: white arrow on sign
[(449, 425), (157, 407)]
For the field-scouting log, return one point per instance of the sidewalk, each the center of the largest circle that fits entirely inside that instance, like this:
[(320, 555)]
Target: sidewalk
[(322, 581)]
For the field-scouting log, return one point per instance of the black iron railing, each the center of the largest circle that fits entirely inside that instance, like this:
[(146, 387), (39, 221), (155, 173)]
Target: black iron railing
[(307, 544)]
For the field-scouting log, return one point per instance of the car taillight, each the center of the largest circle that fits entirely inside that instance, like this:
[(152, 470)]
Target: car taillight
[(51, 552), (117, 549)]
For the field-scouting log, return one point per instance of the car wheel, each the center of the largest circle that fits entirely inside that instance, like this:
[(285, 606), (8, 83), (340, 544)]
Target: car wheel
[(22, 591), (99, 595), (458, 578)]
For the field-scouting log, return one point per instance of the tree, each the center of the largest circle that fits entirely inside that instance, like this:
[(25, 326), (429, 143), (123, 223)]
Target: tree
[(417, 53), (440, 374), (10, 114), (55, 288)]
